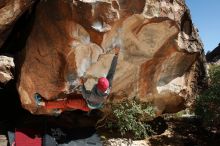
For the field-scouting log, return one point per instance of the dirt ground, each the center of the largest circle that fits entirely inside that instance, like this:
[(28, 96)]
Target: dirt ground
[(185, 131), (175, 131)]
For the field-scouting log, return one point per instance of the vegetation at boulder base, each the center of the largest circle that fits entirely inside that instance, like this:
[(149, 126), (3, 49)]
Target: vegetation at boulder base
[(131, 117), (208, 103)]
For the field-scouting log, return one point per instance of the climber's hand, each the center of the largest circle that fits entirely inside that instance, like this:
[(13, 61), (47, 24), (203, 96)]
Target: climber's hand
[(82, 80), (117, 50)]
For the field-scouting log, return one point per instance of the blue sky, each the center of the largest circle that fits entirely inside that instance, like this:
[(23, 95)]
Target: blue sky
[(206, 17)]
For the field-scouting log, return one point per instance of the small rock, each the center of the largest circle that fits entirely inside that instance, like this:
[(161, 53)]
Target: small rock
[(6, 66)]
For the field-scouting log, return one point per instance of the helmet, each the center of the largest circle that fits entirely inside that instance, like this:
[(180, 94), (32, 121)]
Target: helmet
[(103, 84)]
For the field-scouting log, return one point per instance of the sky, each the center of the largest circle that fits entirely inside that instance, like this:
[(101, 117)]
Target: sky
[(206, 17)]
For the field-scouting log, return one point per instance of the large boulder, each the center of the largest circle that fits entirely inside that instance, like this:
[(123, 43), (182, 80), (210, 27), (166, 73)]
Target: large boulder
[(157, 63)]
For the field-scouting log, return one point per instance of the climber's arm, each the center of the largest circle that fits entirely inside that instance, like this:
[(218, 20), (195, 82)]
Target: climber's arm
[(112, 69), (85, 93)]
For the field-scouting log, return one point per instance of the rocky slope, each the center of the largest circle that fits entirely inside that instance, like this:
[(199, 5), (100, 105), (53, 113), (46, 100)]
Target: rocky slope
[(214, 55), (161, 58)]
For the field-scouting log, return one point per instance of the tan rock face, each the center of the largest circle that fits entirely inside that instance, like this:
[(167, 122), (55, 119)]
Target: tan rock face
[(10, 11), (69, 39), (6, 67)]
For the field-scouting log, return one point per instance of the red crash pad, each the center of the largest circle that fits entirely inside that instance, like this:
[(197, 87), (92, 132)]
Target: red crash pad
[(28, 137)]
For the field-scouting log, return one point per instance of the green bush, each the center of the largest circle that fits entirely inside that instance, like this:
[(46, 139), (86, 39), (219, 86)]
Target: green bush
[(208, 103), (131, 116)]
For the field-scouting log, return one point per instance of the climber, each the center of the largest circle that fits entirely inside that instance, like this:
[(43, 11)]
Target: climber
[(93, 99)]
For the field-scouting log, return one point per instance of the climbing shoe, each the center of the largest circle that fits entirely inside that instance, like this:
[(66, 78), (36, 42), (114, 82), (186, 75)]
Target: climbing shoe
[(39, 100)]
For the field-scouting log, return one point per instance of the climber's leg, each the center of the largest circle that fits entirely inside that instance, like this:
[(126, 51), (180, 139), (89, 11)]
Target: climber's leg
[(60, 104), (74, 103), (77, 103)]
